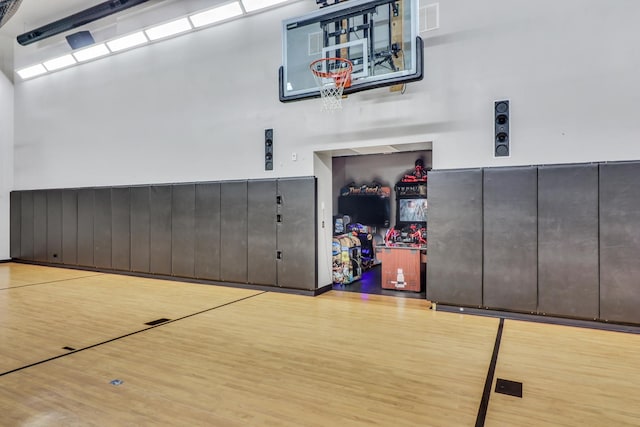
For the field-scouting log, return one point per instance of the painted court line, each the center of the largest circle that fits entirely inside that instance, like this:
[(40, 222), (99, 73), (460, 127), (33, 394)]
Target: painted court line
[(484, 403), (52, 281), (128, 335)]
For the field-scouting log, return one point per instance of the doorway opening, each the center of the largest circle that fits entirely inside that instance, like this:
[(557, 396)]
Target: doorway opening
[(359, 199)]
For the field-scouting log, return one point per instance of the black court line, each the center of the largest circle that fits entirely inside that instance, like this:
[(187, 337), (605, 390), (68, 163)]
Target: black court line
[(484, 403), (126, 335), (52, 281)]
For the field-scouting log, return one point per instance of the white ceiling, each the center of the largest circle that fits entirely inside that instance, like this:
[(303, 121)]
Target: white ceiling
[(35, 13)]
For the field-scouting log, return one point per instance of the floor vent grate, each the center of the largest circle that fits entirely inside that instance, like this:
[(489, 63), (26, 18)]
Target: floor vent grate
[(511, 388), (157, 322)]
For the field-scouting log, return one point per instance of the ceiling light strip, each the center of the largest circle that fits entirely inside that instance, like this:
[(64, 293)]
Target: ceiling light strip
[(169, 29), (92, 52), (217, 14), (253, 5), (32, 71), (179, 26), (60, 62), (127, 42)]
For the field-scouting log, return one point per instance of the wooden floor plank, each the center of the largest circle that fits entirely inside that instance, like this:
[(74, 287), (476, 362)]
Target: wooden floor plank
[(16, 274), (36, 322), (274, 359), (571, 377)]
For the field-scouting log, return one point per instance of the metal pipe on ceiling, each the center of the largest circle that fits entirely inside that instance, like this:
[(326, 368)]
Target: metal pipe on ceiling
[(76, 20)]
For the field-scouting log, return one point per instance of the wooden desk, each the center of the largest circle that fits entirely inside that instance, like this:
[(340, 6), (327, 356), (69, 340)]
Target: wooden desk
[(401, 266)]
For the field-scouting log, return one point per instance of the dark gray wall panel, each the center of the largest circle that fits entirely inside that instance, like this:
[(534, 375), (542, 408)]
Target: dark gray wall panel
[(233, 237), (568, 240), (297, 267), (102, 228), (54, 226), (120, 229), (207, 238), (26, 225), (262, 235), (140, 223), (85, 226), (620, 242), (510, 221), (160, 229), (183, 230), (40, 226), (15, 202), (70, 227), (454, 264)]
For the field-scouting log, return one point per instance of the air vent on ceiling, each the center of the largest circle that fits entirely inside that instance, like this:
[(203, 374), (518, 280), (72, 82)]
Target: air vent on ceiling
[(429, 17)]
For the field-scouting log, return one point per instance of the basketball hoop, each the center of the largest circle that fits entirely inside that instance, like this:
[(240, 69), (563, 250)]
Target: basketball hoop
[(332, 76)]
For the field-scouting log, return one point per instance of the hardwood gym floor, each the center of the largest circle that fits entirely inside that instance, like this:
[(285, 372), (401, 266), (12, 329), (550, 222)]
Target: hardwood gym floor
[(237, 357)]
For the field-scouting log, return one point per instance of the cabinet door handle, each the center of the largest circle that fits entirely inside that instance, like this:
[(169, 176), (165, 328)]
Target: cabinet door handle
[(278, 254), (278, 218), (279, 200)]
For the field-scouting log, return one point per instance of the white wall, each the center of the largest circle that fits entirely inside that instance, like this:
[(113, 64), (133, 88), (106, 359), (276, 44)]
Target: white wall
[(6, 161), (186, 109), (569, 68), (6, 55), (195, 107), (323, 171)]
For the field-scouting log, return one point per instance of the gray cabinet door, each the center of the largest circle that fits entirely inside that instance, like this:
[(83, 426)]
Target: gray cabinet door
[(233, 234), (207, 237), (85, 226), (296, 233), (70, 227), (120, 229), (160, 229), (454, 248), (183, 230), (102, 228), (568, 240), (40, 226), (262, 232), (620, 242), (511, 238), (54, 226), (26, 225), (15, 201), (140, 223)]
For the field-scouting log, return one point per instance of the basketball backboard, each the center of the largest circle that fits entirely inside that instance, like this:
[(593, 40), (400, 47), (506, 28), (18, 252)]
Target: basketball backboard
[(379, 37)]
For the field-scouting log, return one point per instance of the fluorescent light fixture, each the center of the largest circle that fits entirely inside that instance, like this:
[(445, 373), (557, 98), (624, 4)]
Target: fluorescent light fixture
[(59, 62), (216, 14), (91, 53), (131, 40), (253, 5), (169, 29), (34, 70)]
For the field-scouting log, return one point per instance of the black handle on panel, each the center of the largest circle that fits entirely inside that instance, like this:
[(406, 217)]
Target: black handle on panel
[(278, 218), (279, 200), (278, 254)]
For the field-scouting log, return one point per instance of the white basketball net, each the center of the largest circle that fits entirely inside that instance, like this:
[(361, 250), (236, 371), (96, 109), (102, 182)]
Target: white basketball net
[(332, 85), (330, 94)]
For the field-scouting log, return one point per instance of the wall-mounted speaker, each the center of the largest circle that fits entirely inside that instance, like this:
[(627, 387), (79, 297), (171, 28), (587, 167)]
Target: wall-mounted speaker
[(501, 113), (268, 149)]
